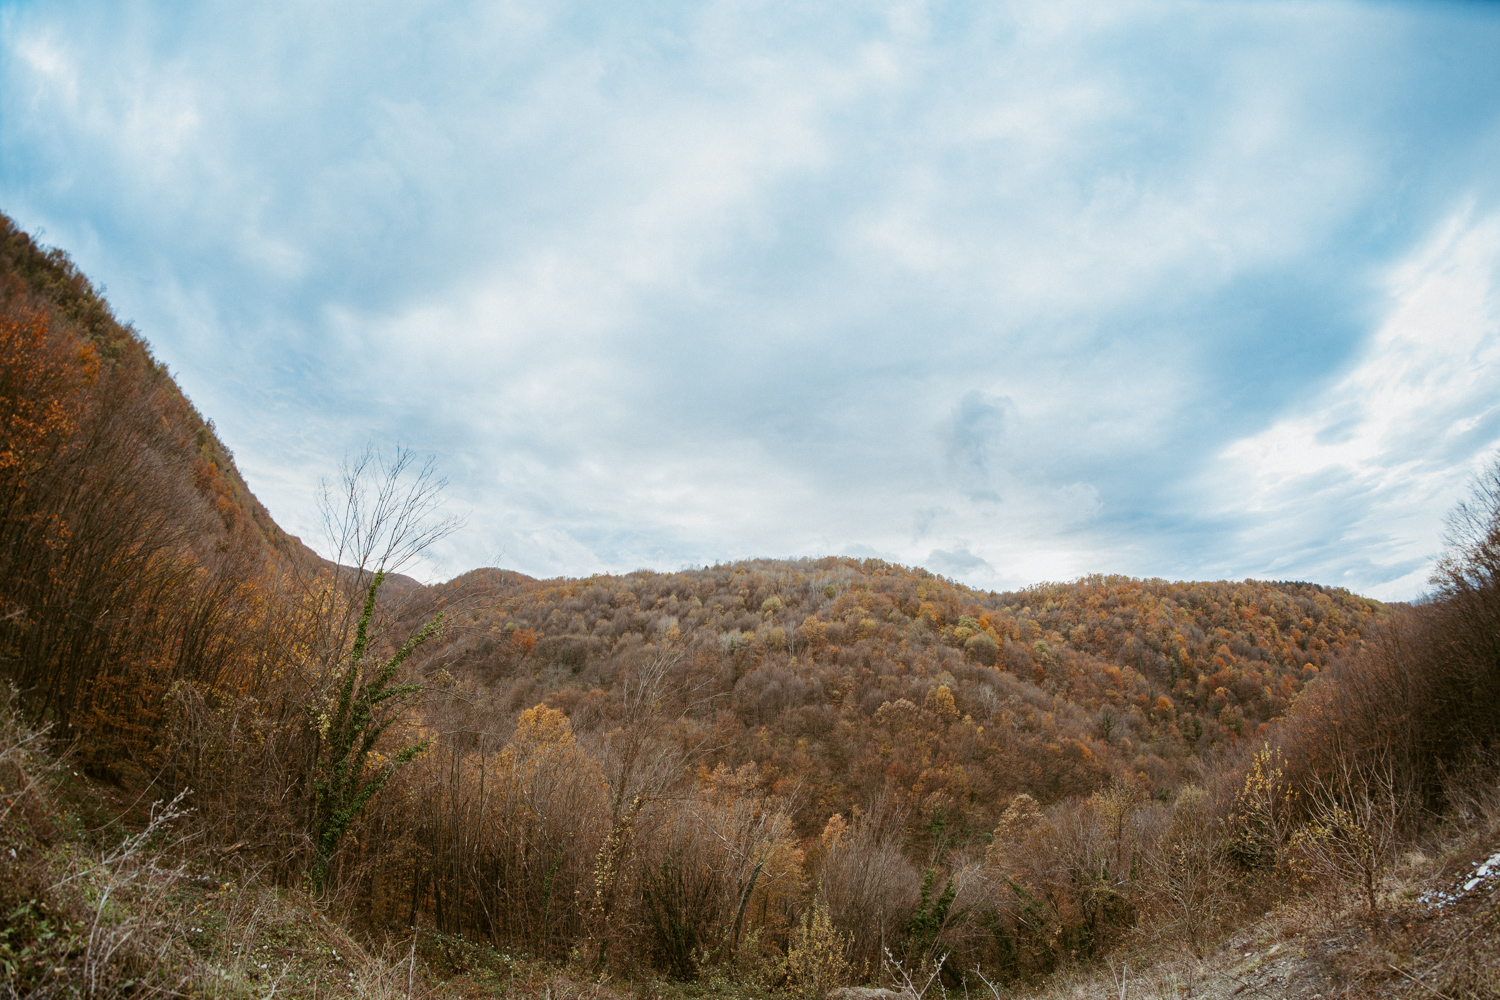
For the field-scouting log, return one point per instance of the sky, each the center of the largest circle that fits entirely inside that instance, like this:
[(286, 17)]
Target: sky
[(1011, 291)]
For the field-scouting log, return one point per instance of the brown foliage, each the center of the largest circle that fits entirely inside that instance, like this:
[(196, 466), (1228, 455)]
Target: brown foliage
[(656, 769), (868, 883), (114, 584)]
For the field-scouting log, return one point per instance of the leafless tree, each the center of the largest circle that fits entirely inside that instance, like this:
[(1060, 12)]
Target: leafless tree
[(1360, 812), (381, 513)]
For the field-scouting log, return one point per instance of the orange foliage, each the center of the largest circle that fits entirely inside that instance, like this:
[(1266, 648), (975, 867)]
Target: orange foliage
[(41, 383)]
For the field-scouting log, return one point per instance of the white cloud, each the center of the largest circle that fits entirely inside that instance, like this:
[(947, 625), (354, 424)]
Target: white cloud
[(1381, 454), (660, 284)]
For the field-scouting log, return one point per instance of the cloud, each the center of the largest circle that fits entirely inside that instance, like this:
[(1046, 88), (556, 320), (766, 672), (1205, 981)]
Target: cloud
[(1352, 485), (960, 563), (1022, 287), (975, 434)]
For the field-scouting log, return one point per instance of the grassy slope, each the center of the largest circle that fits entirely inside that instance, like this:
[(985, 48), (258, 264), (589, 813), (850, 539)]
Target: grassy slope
[(1322, 946)]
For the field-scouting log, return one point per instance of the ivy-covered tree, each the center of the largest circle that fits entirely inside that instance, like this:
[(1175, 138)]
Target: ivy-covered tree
[(378, 516), (368, 705)]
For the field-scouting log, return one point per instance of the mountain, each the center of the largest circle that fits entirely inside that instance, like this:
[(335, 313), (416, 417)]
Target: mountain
[(810, 670), (767, 776)]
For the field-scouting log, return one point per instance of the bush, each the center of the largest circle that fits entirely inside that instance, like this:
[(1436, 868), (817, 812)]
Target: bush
[(869, 886), (817, 954), (1189, 878)]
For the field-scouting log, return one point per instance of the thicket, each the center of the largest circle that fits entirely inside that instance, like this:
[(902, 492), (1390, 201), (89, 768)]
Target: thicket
[(792, 772), (125, 552)]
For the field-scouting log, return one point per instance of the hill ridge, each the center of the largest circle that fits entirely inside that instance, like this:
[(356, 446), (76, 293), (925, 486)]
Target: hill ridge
[(48, 276)]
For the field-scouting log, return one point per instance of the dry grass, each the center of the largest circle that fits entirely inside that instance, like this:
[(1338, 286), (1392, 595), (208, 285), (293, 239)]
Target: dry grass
[(1324, 942)]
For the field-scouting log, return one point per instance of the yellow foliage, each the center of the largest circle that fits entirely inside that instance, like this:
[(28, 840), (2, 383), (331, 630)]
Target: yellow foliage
[(1263, 810), (834, 830), (544, 742), (1021, 823), (940, 701), (817, 954)]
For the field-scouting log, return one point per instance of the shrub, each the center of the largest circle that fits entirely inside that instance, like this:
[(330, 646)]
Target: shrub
[(869, 885), (817, 954), (1188, 875)]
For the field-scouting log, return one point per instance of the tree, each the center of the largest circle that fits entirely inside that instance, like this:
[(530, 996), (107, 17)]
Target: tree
[(1472, 563), (1463, 681), (1360, 812), (1188, 874), (345, 780), (379, 515), (382, 515)]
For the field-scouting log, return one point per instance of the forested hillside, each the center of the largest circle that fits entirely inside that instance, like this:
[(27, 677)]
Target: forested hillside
[(108, 359), (129, 543), (219, 750), (840, 678)]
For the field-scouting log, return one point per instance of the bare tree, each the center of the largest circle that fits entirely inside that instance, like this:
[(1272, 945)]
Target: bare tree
[(1472, 562), (1360, 811), (1187, 871), (378, 515), (381, 515), (1465, 693), (640, 765)]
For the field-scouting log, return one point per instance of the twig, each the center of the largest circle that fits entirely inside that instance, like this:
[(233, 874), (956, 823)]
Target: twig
[(1122, 977), (279, 978), (132, 844), (910, 988), (993, 989), (411, 968), (1419, 982)]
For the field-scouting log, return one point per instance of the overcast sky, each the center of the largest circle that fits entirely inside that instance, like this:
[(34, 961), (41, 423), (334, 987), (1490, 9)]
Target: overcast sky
[(1015, 292)]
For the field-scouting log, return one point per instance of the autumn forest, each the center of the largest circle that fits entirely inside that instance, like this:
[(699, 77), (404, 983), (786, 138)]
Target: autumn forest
[(769, 776)]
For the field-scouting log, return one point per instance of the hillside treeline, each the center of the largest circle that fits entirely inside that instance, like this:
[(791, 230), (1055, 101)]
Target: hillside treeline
[(851, 733), (799, 773), (808, 669), (127, 538)]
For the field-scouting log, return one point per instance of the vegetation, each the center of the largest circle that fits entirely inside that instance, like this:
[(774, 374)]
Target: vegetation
[(347, 778), (766, 776)]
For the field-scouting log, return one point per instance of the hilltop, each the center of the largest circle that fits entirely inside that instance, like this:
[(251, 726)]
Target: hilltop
[(808, 669)]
